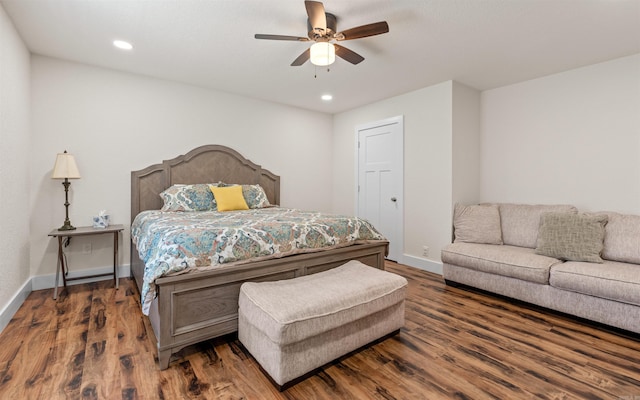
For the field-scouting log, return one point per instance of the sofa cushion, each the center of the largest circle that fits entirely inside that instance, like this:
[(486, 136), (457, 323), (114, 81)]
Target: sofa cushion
[(574, 237), (512, 261), (477, 224), (622, 238), (520, 222), (611, 280)]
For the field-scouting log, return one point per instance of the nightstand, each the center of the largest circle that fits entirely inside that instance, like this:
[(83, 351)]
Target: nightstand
[(84, 231)]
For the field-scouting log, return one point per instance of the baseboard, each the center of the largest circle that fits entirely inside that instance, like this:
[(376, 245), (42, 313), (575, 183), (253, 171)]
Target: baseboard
[(48, 281), (422, 263), (10, 309)]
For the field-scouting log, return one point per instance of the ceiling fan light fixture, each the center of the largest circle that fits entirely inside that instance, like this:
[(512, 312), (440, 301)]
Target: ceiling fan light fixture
[(323, 53)]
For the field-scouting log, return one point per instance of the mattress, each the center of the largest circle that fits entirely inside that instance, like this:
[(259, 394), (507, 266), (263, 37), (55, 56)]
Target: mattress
[(171, 243)]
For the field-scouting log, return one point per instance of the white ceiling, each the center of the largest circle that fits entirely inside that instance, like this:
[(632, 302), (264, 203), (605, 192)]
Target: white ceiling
[(482, 43)]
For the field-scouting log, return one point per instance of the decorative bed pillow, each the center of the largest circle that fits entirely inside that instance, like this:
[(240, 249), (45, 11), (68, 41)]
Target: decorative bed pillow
[(197, 197), (229, 198), (477, 224), (255, 196), (572, 237)]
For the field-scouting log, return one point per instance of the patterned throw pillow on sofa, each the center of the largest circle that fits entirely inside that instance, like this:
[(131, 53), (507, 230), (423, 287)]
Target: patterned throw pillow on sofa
[(571, 237)]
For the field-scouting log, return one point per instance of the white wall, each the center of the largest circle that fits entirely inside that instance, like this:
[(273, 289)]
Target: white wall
[(427, 164), (116, 122), (572, 137), (15, 165), (466, 144)]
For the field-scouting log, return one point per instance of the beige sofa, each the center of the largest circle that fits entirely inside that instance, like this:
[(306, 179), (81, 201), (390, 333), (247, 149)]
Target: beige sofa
[(583, 264)]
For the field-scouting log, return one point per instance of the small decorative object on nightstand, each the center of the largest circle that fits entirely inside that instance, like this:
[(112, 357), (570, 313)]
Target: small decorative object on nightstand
[(84, 231), (101, 220), (66, 168)]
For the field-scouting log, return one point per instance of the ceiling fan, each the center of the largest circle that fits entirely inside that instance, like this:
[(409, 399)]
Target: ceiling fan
[(322, 31)]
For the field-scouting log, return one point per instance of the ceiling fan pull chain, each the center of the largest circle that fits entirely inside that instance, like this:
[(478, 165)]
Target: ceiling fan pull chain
[(329, 56)]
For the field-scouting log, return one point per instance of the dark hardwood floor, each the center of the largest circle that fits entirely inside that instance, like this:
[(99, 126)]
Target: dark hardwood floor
[(94, 343)]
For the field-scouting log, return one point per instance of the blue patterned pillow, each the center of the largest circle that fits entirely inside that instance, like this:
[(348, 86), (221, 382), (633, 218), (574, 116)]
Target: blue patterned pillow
[(196, 197), (255, 196)]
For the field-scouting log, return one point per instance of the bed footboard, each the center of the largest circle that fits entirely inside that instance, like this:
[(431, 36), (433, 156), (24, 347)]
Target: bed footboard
[(200, 306)]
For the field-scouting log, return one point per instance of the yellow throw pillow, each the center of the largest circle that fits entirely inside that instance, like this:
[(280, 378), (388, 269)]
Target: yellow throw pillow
[(229, 198)]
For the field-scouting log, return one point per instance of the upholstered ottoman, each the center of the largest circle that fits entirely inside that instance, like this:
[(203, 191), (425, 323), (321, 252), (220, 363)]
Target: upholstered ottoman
[(294, 326)]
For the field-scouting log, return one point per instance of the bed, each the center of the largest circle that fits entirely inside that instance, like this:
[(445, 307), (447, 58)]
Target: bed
[(194, 307)]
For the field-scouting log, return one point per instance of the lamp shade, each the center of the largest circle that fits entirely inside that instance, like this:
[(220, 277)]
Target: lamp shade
[(65, 167), (323, 53)]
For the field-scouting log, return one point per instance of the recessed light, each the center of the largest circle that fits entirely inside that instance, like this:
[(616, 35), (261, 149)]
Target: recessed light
[(326, 97), (121, 44)]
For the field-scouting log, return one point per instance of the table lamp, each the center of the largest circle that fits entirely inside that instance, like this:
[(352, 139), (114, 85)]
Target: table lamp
[(66, 168)]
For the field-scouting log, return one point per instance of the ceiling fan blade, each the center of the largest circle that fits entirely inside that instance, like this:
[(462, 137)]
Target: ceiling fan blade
[(302, 58), (348, 55), (376, 28), (281, 37), (317, 16)]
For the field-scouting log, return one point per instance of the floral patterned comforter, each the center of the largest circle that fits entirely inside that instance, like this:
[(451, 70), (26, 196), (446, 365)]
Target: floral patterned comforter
[(171, 243)]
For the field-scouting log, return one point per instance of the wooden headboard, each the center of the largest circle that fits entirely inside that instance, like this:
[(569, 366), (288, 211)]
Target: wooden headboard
[(205, 164)]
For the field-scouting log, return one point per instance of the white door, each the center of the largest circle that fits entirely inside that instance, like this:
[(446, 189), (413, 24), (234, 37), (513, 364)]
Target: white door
[(380, 179)]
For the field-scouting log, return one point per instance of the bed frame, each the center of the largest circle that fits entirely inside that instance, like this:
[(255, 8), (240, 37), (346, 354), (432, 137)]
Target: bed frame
[(192, 308)]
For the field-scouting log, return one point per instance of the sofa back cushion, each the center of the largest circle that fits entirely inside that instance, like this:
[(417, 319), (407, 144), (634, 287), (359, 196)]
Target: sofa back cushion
[(622, 238), (477, 224), (520, 222)]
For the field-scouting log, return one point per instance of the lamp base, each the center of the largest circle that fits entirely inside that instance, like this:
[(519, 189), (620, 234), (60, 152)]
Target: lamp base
[(67, 223), (67, 226)]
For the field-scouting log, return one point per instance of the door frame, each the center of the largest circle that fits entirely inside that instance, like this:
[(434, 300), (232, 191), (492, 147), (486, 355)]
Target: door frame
[(400, 217)]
